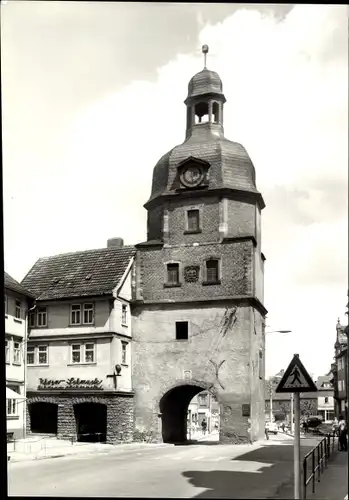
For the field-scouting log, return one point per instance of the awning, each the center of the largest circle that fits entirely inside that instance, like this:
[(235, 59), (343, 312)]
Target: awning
[(10, 394)]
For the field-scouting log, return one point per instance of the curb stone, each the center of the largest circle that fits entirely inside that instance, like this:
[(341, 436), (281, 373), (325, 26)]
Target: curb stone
[(121, 447)]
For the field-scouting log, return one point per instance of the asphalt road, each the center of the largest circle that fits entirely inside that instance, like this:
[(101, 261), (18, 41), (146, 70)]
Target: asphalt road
[(201, 470)]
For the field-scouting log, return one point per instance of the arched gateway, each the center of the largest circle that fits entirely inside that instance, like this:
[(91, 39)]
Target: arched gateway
[(198, 314)]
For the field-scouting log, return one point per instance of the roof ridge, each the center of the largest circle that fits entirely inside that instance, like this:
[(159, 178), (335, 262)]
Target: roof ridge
[(127, 247)]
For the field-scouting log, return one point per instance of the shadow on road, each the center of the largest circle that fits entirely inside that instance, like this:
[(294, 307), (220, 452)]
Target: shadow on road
[(262, 472), (227, 484)]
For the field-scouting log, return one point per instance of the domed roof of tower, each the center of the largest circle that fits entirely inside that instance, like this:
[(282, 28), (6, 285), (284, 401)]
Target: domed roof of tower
[(205, 82), (228, 163)]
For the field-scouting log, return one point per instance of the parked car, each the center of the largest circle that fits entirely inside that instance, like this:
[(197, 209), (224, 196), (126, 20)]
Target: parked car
[(272, 427)]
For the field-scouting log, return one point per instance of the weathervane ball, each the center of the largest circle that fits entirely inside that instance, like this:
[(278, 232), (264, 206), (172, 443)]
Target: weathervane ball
[(205, 49)]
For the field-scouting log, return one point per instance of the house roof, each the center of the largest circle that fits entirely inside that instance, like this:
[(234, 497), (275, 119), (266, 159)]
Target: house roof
[(78, 274), (324, 379), (12, 284)]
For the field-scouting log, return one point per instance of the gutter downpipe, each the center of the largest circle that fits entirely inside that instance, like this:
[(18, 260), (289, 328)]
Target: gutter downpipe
[(26, 334)]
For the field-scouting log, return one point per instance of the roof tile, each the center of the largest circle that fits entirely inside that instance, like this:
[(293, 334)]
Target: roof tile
[(78, 274), (13, 284)]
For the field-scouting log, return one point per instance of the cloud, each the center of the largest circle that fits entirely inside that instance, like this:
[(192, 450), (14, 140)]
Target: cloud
[(286, 86)]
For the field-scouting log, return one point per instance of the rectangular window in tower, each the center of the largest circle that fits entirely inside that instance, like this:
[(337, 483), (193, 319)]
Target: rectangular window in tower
[(172, 274), (193, 221), (212, 271), (181, 330)]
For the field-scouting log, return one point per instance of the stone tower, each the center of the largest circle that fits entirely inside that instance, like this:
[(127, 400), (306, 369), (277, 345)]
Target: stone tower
[(198, 314)]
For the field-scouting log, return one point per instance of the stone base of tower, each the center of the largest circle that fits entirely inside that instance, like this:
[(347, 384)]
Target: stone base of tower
[(220, 356)]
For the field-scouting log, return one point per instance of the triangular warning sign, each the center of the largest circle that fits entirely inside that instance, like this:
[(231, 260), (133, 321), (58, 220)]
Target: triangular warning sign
[(296, 378)]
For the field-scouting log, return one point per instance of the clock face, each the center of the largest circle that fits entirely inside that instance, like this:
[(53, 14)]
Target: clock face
[(191, 176)]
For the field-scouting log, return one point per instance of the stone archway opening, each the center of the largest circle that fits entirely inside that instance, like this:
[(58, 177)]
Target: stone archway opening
[(91, 422), (43, 418), (174, 407)]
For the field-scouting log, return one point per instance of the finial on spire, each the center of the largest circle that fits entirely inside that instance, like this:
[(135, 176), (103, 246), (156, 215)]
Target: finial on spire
[(205, 51)]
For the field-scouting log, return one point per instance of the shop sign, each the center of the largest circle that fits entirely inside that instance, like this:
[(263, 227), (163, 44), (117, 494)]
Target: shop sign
[(70, 383)]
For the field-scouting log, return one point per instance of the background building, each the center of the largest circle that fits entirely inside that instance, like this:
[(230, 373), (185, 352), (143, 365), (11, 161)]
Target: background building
[(17, 302), (79, 352), (340, 371), (203, 405), (325, 398)]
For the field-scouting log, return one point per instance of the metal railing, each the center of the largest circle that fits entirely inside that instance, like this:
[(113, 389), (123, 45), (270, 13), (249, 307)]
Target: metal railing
[(319, 458)]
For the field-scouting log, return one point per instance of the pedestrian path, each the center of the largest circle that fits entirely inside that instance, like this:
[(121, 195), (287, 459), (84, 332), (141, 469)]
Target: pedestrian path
[(333, 483)]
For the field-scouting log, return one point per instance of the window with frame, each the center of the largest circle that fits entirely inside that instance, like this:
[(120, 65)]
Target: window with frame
[(83, 353), (75, 314), (173, 274), (212, 271), (42, 316), (30, 355), (76, 353), (16, 353), (11, 407), (124, 314), (124, 353), (89, 353), (18, 309), (326, 399), (32, 320), (43, 355), (6, 306), (88, 314), (193, 220), (7, 351), (203, 399)]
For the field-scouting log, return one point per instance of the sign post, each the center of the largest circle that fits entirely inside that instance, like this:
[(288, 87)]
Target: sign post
[(297, 447), (296, 380)]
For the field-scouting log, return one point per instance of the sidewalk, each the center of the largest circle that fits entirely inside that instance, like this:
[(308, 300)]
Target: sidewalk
[(62, 448), (334, 481)]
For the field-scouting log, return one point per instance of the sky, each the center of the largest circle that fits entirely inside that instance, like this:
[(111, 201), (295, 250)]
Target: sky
[(92, 97)]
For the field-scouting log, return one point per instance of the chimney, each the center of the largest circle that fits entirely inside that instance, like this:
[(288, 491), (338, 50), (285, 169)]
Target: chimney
[(115, 242)]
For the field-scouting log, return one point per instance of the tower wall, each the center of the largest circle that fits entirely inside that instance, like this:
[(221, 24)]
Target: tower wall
[(161, 363), (236, 272)]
